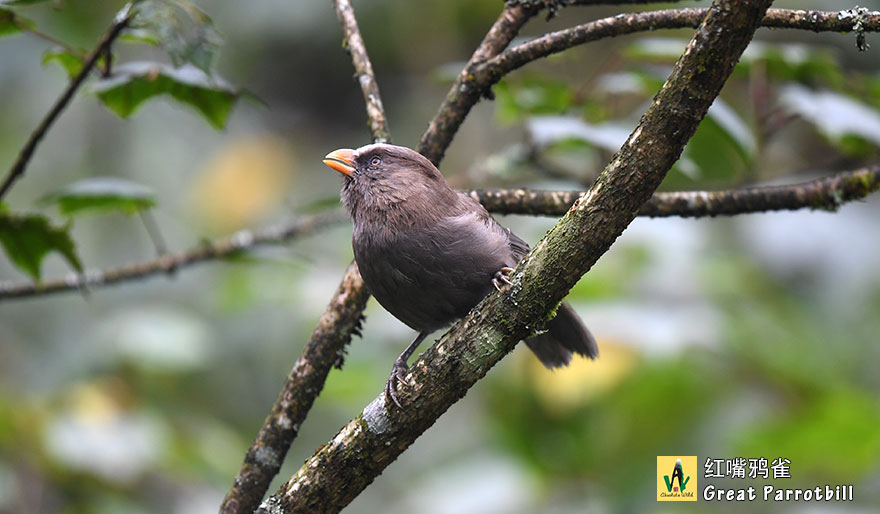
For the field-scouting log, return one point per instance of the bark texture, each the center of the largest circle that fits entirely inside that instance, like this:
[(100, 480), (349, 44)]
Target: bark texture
[(324, 350), (826, 193)]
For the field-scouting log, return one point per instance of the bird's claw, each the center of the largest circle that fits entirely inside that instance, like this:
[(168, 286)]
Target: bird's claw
[(502, 276), (398, 372)]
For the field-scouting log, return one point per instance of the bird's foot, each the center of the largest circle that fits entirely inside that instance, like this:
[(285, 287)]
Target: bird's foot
[(502, 277), (398, 372)]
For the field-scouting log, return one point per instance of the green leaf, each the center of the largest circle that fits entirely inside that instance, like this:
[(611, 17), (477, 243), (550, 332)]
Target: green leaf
[(11, 23), (7, 23), (102, 194), (183, 30), (722, 149), (71, 63), (531, 95), (136, 35), (28, 238), (133, 83), (793, 62)]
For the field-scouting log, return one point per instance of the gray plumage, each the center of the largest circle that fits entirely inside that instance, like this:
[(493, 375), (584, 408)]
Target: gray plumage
[(428, 253)]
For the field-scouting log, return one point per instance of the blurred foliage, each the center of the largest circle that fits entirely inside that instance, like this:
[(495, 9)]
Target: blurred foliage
[(11, 23), (70, 62), (241, 185), (775, 85), (188, 37), (806, 401), (102, 194), (183, 30)]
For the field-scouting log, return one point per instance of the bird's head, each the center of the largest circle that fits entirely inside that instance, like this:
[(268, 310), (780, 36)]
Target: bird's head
[(382, 176)]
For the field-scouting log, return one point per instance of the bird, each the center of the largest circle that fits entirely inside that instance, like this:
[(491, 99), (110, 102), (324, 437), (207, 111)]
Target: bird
[(429, 253)]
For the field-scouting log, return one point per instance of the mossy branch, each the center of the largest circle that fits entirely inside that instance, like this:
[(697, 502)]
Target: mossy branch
[(827, 193)]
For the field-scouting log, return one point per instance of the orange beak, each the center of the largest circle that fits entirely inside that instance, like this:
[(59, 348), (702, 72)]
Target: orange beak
[(341, 160)]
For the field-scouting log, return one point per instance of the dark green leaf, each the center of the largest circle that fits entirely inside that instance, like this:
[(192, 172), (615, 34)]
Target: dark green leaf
[(11, 23), (102, 194), (712, 155), (722, 149), (184, 31), (133, 83), (28, 238), (71, 63)]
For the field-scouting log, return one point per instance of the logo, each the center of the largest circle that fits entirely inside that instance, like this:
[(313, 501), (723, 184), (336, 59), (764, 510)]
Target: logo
[(677, 479)]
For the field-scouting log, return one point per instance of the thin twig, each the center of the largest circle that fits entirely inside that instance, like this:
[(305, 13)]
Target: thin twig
[(364, 72), (827, 193), (17, 170), (47, 37), (466, 91), (215, 250), (462, 95), (340, 321), (479, 75), (325, 349), (555, 42)]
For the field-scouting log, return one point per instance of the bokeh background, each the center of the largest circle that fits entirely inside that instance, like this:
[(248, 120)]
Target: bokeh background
[(755, 336)]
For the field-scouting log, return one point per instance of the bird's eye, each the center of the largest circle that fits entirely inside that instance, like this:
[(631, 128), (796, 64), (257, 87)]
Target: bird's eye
[(375, 161)]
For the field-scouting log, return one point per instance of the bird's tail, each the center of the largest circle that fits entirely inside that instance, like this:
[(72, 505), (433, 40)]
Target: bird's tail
[(566, 334)]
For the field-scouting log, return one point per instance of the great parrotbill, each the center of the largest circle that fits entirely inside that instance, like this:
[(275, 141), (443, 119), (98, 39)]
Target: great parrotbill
[(429, 253)]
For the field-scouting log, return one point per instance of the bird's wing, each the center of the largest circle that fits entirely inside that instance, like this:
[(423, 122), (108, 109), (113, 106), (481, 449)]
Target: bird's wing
[(518, 247)]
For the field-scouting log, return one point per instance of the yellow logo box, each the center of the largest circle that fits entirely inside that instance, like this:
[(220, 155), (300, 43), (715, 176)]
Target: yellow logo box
[(677, 479)]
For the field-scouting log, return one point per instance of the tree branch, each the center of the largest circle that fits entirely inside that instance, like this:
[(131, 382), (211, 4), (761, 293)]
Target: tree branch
[(464, 92), (343, 467), (492, 70), (462, 96), (341, 319), (324, 350), (168, 264), (481, 72), (26, 27), (826, 193), (364, 70), (27, 151)]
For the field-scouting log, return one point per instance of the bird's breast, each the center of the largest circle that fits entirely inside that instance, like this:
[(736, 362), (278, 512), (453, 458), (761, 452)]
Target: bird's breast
[(425, 277)]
